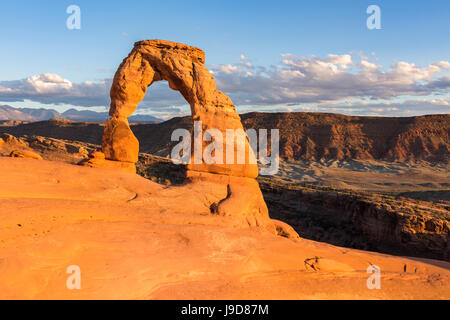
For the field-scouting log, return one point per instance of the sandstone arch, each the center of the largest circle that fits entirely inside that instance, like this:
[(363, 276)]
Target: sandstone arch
[(182, 66), (236, 192)]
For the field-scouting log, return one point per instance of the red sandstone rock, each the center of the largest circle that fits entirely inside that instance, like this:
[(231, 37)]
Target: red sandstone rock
[(118, 141), (25, 154), (183, 67)]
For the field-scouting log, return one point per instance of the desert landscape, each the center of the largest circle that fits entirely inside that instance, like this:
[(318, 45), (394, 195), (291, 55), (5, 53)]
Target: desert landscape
[(225, 151), (156, 235)]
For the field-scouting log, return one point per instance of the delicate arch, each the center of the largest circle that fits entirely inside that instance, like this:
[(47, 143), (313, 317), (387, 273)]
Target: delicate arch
[(182, 66)]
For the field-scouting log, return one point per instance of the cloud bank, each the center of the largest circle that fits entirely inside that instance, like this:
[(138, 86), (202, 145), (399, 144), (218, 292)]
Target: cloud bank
[(346, 83)]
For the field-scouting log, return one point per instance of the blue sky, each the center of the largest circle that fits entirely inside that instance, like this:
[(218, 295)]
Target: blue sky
[(35, 41)]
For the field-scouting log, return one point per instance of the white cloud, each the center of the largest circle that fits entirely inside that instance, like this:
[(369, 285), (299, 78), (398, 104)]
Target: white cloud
[(369, 65), (53, 89), (342, 60), (229, 69)]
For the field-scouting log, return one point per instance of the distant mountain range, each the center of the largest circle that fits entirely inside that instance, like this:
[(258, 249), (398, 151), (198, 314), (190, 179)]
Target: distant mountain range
[(31, 114)]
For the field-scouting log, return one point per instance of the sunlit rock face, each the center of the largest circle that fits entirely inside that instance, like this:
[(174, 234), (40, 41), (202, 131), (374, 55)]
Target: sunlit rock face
[(182, 66)]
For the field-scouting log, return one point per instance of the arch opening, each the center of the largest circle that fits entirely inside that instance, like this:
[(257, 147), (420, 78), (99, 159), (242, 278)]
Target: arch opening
[(162, 102)]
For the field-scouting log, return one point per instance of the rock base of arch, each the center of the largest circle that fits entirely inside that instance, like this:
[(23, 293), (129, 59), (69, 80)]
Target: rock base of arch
[(237, 197), (243, 200)]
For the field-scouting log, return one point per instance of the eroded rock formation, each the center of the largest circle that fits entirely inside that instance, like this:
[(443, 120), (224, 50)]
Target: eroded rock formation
[(182, 66)]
